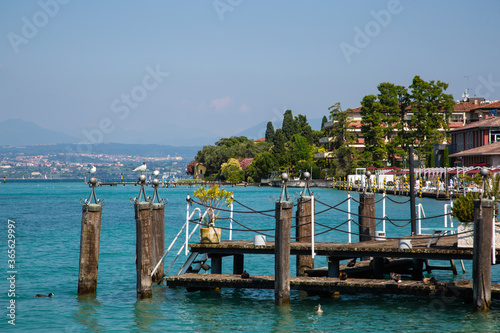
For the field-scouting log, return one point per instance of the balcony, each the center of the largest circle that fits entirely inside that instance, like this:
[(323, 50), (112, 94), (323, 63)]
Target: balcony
[(328, 124), (326, 139), (323, 155)]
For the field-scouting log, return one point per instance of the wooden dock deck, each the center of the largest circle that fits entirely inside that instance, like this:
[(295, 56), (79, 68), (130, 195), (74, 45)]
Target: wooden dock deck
[(446, 249), (328, 286)]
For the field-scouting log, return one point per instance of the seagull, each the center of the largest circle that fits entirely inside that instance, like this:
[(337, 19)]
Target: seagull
[(343, 276), (396, 277), (156, 173), (245, 275), (141, 168), (93, 170), (189, 200), (351, 263), (42, 295), (319, 309)]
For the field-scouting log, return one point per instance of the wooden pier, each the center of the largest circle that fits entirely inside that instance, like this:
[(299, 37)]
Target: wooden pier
[(446, 249)]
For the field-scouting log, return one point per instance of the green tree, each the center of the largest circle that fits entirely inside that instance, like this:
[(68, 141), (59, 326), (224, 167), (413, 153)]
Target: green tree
[(446, 158), (343, 139), (269, 132), (394, 102), (290, 126), (430, 111), (373, 129), (262, 165), (301, 150)]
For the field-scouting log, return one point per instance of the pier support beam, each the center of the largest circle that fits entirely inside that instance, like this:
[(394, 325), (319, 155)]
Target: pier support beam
[(481, 264), (143, 249), (303, 233), (333, 267), (238, 264), (158, 239), (89, 248), (366, 216), (282, 252)]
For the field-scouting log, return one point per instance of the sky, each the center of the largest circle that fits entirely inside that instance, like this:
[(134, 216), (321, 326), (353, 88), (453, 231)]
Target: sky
[(189, 72)]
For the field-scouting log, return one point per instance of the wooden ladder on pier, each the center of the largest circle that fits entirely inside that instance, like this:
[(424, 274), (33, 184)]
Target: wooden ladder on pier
[(437, 233), (198, 264)]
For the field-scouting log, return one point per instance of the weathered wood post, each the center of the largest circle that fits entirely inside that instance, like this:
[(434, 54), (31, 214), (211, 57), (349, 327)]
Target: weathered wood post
[(158, 239), (158, 233), (143, 248), (481, 264), (90, 242), (366, 216), (303, 233), (282, 247)]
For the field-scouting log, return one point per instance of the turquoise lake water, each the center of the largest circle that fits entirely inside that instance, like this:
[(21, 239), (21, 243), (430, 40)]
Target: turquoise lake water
[(47, 218)]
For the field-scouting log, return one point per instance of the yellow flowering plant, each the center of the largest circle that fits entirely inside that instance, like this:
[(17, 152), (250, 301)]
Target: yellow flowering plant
[(213, 198)]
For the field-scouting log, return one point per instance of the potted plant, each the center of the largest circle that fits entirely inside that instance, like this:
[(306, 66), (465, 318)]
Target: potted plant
[(213, 198)]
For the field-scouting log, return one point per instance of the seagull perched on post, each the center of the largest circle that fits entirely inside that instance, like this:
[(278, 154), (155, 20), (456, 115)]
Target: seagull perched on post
[(93, 169), (141, 168)]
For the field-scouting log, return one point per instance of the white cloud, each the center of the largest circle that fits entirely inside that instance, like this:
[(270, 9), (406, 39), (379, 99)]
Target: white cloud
[(245, 108), (221, 103)]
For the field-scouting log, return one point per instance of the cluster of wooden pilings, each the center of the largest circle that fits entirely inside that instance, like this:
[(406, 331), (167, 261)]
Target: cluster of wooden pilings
[(150, 244), (483, 251), (150, 241)]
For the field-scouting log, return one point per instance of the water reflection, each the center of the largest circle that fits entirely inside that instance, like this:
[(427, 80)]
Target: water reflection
[(87, 313), (147, 314)]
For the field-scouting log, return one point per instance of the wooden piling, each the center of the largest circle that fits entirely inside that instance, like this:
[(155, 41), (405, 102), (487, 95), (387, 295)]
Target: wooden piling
[(282, 253), (303, 233), (158, 239), (143, 248), (481, 264), (366, 217), (89, 248)]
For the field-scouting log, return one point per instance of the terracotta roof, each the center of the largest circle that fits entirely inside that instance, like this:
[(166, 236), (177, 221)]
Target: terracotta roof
[(494, 105), (491, 149), (260, 140), (464, 106), (485, 123)]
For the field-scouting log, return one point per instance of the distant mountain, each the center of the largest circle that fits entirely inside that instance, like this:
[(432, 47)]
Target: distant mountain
[(17, 132), (259, 130), (123, 149)]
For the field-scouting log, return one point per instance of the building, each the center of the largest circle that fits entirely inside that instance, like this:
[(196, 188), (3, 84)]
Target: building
[(199, 171)]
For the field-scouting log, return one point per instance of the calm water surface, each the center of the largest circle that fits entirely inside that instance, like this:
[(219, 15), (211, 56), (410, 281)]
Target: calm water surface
[(47, 217)]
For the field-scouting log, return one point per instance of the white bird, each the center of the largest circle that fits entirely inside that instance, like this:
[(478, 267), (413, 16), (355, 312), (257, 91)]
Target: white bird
[(156, 173), (141, 168), (93, 170)]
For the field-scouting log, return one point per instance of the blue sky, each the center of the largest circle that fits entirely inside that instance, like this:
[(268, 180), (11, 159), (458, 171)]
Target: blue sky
[(184, 72)]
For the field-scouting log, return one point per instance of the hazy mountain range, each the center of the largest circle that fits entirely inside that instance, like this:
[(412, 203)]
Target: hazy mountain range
[(17, 132)]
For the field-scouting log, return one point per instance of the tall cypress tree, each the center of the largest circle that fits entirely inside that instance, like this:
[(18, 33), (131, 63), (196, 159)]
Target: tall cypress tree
[(269, 132), (290, 126)]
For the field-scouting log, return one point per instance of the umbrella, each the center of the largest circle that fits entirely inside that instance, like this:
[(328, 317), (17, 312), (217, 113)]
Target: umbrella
[(372, 167), (391, 167)]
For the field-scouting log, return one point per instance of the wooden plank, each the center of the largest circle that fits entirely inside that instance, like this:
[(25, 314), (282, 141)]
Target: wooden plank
[(325, 284), (446, 249)]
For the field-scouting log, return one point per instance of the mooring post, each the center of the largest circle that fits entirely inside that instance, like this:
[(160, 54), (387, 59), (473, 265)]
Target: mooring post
[(282, 247), (143, 247), (303, 233), (158, 238), (90, 242), (481, 264), (366, 216), (158, 232), (412, 194)]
